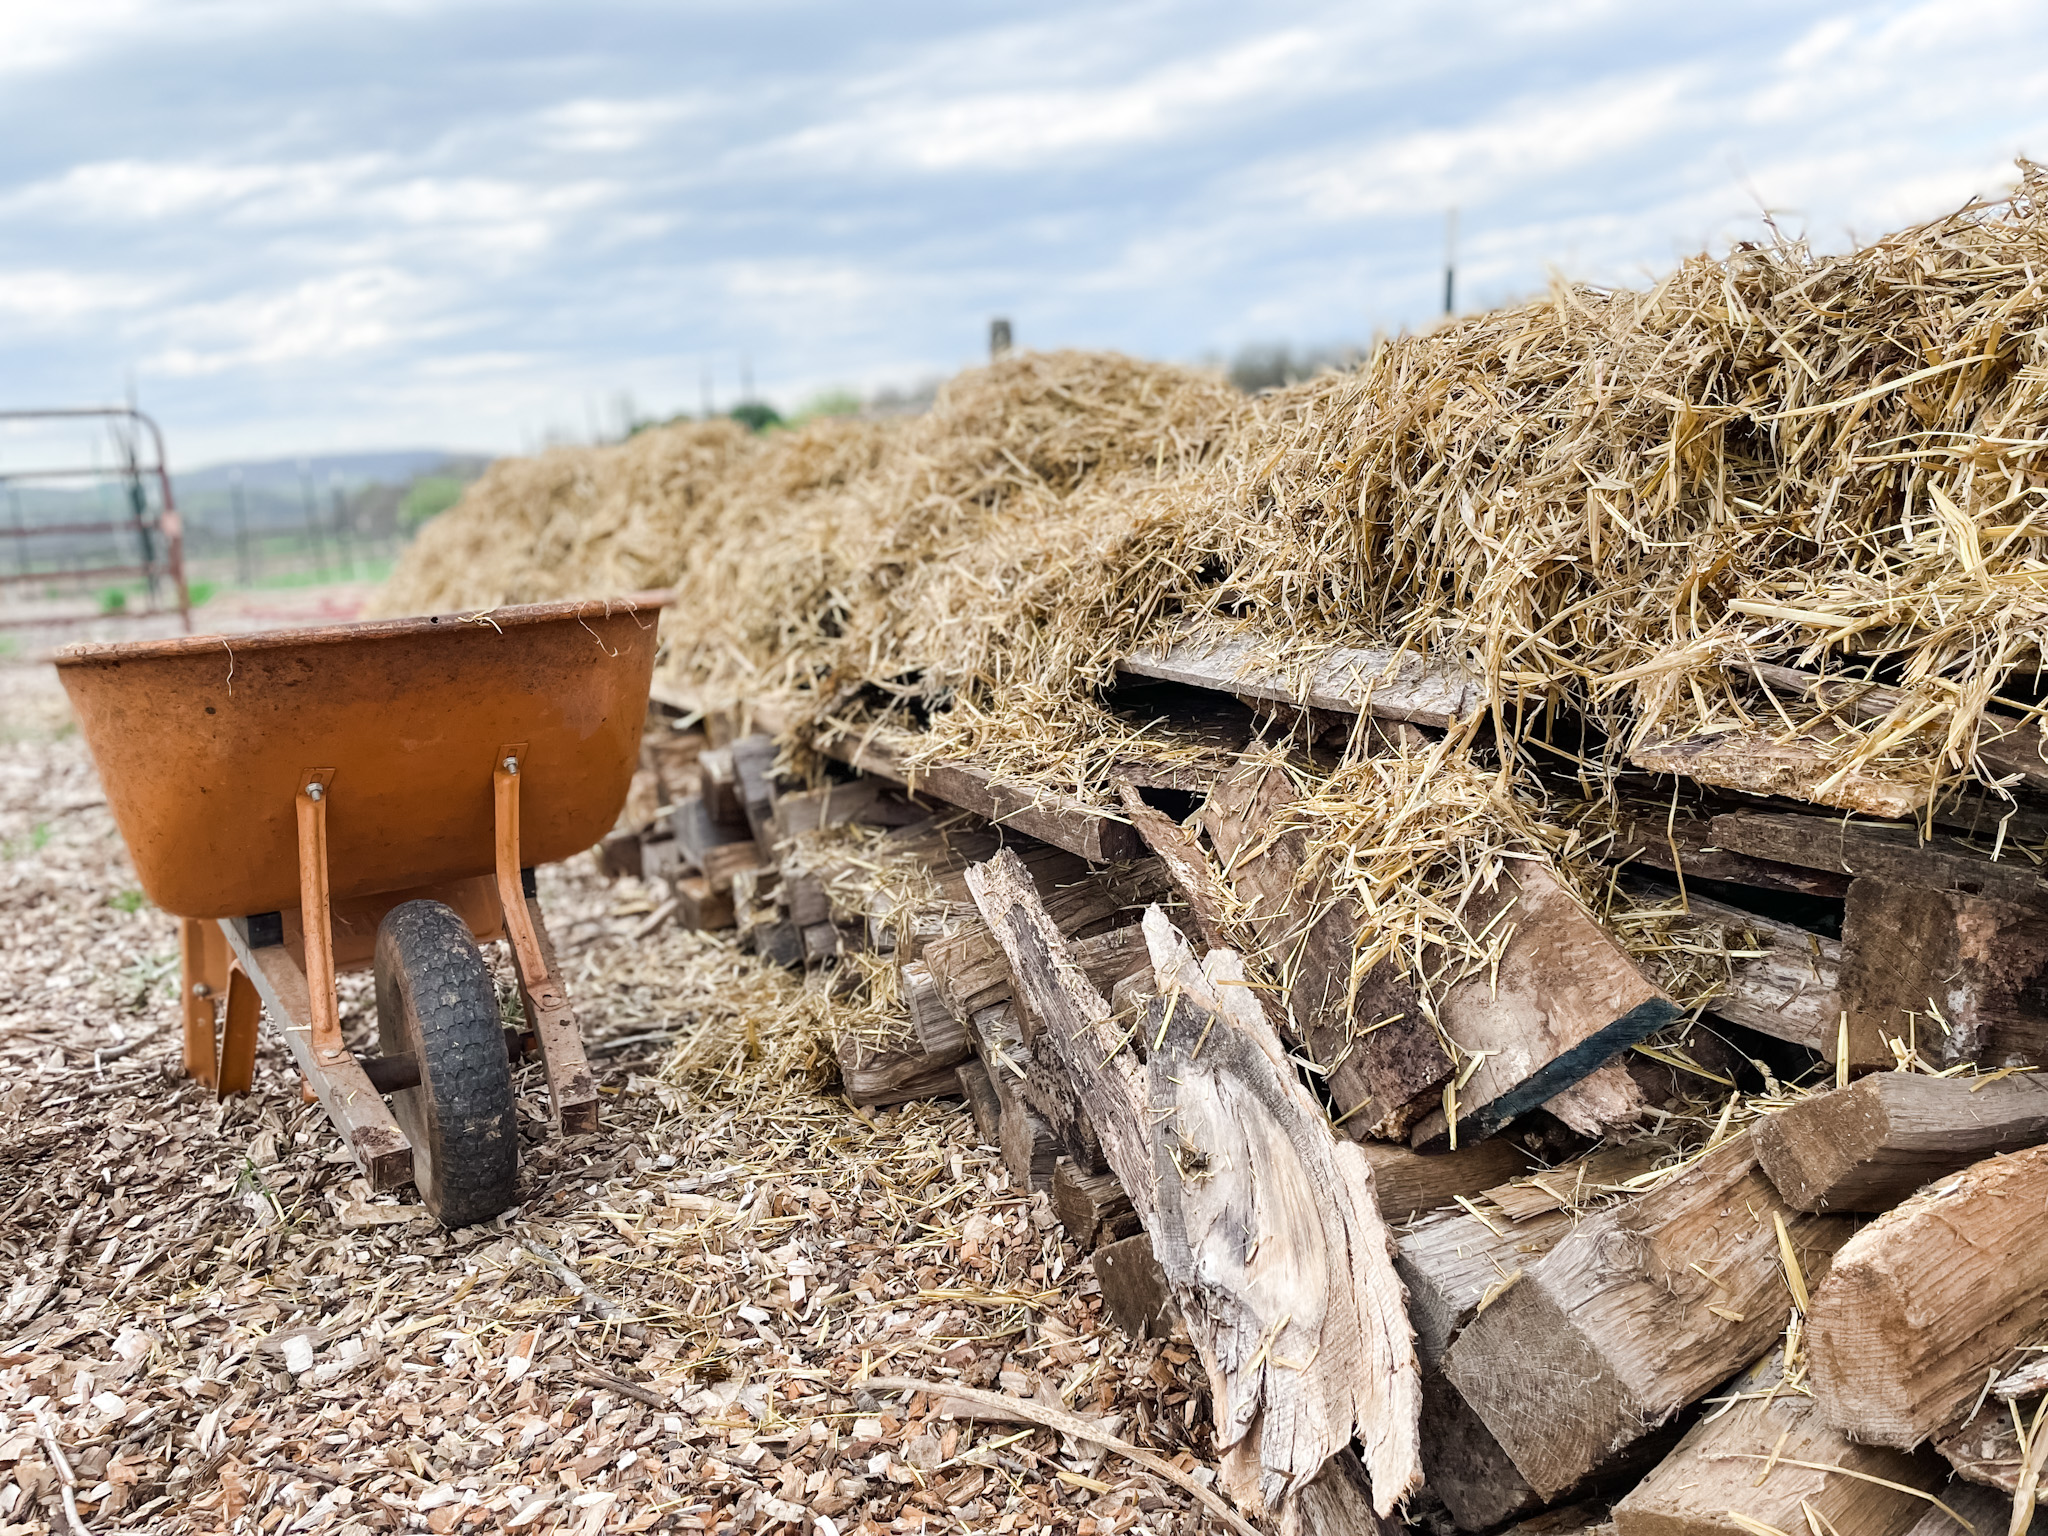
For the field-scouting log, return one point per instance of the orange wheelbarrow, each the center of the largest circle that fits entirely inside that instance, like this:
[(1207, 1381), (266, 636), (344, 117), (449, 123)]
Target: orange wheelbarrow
[(376, 795)]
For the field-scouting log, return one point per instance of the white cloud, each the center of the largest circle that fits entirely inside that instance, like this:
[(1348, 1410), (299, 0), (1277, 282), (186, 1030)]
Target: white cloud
[(600, 126), (38, 35), (330, 318), (53, 298), (1017, 128)]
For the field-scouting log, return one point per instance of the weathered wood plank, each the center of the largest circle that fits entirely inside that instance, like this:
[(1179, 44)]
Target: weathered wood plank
[(1135, 1292), (1064, 822), (936, 1026), (1756, 1466), (1185, 864), (1450, 1264), (1780, 979), (1408, 1183), (967, 965), (1392, 685), (1640, 1310), (1987, 1512), (1758, 763), (701, 907), (1382, 1078), (875, 1078), (1563, 1001), (1870, 1145), (1451, 1261), (1686, 845), (1959, 977), (979, 1090), (1263, 1222), (1927, 1298), (2006, 744), (1860, 849), (1464, 1465)]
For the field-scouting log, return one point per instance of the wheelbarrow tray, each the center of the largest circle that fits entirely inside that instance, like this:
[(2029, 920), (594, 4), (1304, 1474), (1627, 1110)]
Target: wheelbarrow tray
[(203, 741), (283, 792)]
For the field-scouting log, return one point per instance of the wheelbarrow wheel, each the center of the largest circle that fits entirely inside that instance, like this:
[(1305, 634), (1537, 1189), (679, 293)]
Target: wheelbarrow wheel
[(436, 1003)]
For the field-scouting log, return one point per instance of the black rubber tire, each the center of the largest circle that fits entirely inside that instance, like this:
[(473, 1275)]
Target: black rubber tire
[(436, 1001)]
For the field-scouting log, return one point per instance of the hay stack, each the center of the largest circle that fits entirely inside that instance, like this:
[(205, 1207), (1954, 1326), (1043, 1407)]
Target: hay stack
[(1603, 501), (1600, 498)]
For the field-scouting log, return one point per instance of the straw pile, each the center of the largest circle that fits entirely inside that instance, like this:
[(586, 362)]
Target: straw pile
[(1600, 500)]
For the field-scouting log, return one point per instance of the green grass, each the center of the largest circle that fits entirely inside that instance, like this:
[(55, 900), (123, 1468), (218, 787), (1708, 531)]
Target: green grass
[(128, 901), (36, 841)]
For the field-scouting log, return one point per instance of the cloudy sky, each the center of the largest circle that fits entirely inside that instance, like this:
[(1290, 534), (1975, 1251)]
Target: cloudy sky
[(376, 223)]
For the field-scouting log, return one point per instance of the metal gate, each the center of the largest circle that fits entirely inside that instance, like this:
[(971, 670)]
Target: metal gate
[(70, 555)]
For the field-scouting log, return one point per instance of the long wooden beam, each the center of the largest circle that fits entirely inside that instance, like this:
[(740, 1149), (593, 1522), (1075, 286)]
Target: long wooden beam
[(1351, 680)]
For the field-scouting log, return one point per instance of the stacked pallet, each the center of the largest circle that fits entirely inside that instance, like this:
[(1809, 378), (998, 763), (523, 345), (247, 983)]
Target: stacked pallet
[(1716, 1215)]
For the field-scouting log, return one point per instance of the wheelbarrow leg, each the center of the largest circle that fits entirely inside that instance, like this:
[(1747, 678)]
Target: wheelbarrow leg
[(203, 973), (302, 1003), (571, 1088), (238, 1034), (316, 920)]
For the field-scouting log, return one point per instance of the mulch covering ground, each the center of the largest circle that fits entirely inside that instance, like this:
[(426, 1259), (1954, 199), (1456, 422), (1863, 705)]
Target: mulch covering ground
[(212, 1324)]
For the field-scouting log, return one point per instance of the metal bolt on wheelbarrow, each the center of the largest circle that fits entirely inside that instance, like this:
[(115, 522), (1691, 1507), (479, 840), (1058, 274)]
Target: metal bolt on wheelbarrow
[(375, 796)]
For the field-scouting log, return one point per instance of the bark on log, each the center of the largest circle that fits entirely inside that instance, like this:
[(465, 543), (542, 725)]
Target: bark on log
[(1640, 1310), (1926, 1299), (1264, 1222), (1868, 1146)]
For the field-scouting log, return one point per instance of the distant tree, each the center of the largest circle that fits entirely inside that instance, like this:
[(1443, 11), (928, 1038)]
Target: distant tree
[(829, 402), (429, 496), (756, 415), (1270, 365)]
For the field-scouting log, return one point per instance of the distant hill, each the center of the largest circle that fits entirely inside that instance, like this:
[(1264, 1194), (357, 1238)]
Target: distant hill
[(390, 466)]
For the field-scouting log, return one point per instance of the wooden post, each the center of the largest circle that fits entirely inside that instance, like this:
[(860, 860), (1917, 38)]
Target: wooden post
[(1263, 1222), (1926, 1299), (1768, 1459), (1869, 1146), (1640, 1310)]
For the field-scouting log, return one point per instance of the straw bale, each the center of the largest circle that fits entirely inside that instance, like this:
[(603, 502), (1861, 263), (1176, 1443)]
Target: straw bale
[(1609, 504)]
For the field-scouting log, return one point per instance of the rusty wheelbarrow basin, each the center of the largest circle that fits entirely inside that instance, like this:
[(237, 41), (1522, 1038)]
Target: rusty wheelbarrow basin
[(203, 741), (377, 794)]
